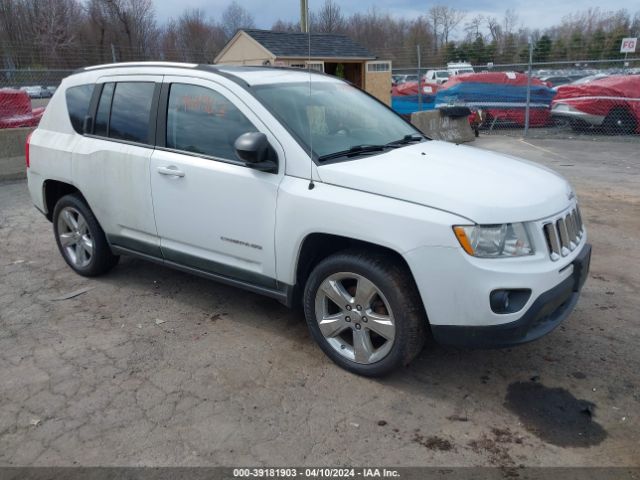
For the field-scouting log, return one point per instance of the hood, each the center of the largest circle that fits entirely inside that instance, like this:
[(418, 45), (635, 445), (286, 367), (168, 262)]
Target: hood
[(483, 186)]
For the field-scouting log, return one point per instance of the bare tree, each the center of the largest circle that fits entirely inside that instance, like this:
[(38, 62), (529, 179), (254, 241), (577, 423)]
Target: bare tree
[(450, 19), (635, 25), (444, 20), (53, 24), (329, 18), (473, 26), (285, 26), (510, 21), (236, 17), (495, 30), (192, 38), (435, 17)]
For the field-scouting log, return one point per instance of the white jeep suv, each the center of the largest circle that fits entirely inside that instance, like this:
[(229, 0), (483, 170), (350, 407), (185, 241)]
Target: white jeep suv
[(301, 187)]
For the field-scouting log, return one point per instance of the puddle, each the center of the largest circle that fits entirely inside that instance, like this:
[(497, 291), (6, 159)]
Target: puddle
[(554, 415)]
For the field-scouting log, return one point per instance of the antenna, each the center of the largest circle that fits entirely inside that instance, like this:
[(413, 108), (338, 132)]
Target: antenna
[(309, 117)]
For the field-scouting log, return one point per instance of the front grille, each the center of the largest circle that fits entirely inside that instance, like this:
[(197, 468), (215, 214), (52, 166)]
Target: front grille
[(563, 234)]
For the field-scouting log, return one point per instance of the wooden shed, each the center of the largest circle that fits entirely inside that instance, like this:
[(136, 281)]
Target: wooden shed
[(330, 53)]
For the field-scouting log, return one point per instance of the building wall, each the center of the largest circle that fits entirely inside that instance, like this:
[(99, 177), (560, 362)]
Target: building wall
[(377, 83), (245, 51)]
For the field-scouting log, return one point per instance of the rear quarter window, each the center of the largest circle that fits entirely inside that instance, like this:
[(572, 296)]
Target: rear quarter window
[(78, 102)]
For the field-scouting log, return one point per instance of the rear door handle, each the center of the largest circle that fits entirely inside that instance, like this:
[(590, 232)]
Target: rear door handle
[(171, 171)]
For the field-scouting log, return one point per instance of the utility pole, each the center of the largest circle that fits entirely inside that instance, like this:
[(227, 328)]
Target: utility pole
[(527, 108), (419, 80), (304, 16)]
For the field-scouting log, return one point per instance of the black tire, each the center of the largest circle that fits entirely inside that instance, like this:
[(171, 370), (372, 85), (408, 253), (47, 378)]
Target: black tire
[(395, 282), (102, 258), (619, 121)]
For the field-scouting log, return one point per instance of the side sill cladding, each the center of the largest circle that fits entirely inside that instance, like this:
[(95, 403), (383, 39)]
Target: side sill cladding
[(281, 292)]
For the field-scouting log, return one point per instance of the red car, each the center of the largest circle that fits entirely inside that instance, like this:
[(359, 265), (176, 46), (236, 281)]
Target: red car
[(411, 88), (16, 110), (612, 103)]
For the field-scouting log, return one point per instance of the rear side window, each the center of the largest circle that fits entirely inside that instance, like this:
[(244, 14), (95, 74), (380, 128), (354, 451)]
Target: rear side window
[(202, 121), (130, 111), (78, 102), (102, 115)]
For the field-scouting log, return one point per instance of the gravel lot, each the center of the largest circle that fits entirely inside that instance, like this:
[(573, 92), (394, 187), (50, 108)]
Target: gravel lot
[(156, 367)]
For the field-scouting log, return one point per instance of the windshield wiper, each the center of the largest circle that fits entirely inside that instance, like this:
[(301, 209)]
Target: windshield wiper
[(356, 150), (406, 140), (353, 151)]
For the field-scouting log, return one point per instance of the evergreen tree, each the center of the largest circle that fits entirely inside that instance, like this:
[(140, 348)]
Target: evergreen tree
[(542, 49)]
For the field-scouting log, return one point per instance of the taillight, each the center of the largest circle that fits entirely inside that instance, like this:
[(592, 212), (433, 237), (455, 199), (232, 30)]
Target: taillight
[(26, 150)]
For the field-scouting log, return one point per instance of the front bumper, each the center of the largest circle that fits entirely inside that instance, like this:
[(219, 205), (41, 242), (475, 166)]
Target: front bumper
[(567, 111), (544, 314)]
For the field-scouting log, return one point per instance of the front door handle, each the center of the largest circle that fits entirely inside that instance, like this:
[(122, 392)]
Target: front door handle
[(171, 170)]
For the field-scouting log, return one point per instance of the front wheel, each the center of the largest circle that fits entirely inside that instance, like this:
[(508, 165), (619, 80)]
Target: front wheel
[(364, 311)]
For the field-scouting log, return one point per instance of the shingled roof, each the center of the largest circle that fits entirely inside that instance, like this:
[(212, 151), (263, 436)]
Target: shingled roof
[(296, 45)]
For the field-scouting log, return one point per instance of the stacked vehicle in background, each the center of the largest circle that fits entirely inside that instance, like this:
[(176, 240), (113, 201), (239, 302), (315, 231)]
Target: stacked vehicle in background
[(611, 104), (502, 96), (16, 109)]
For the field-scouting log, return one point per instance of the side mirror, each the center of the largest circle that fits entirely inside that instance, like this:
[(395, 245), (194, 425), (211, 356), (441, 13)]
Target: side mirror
[(253, 148)]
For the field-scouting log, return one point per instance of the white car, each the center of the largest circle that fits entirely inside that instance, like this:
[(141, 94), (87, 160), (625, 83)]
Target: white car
[(458, 68), (299, 186), (436, 76)]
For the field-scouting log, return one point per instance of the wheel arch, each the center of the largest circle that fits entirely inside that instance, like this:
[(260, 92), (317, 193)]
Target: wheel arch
[(54, 190), (317, 246)]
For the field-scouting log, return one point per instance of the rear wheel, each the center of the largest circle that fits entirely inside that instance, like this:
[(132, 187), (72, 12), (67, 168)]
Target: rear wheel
[(619, 121), (364, 311), (80, 238)]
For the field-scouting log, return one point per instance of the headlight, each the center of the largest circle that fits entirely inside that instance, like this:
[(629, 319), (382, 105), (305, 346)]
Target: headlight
[(494, 241)]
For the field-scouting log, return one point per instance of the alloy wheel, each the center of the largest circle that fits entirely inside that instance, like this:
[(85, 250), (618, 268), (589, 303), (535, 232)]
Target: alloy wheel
[(75, 237), (355, 317)]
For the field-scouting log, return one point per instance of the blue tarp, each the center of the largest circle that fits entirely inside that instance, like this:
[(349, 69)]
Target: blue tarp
[(407, 104), (494, 95)]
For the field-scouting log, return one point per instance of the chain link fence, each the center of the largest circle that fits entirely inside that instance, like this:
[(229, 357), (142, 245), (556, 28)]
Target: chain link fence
[(582, 98)]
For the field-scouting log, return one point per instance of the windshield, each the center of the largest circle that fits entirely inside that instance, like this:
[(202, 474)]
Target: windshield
[(333, 117), (442, 74)]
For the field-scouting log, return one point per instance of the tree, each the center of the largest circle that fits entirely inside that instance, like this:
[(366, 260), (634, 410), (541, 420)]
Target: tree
[(510, 21), (193, 38), (444, 20), (542, 49), (236, 17), (576, 46), (473, 27), (597, 44), (329, 18), (450, 19), (479, 53), (495, 30), (285, 26)]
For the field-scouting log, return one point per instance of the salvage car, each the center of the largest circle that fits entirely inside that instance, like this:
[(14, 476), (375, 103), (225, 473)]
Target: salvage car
[(610, 103), (502, 96), (16, 110), (36, 91), (299, 186)]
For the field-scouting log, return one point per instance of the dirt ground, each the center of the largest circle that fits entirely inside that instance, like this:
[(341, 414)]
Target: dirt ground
[(155, 367)]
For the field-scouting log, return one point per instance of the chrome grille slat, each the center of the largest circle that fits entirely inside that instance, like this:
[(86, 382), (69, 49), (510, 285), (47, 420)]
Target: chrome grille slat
[(563, 234)]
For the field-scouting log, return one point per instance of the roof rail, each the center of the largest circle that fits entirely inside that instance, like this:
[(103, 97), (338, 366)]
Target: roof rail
[(138, 64)]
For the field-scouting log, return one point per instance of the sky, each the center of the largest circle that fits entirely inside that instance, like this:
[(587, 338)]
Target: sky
[(532, 13)]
